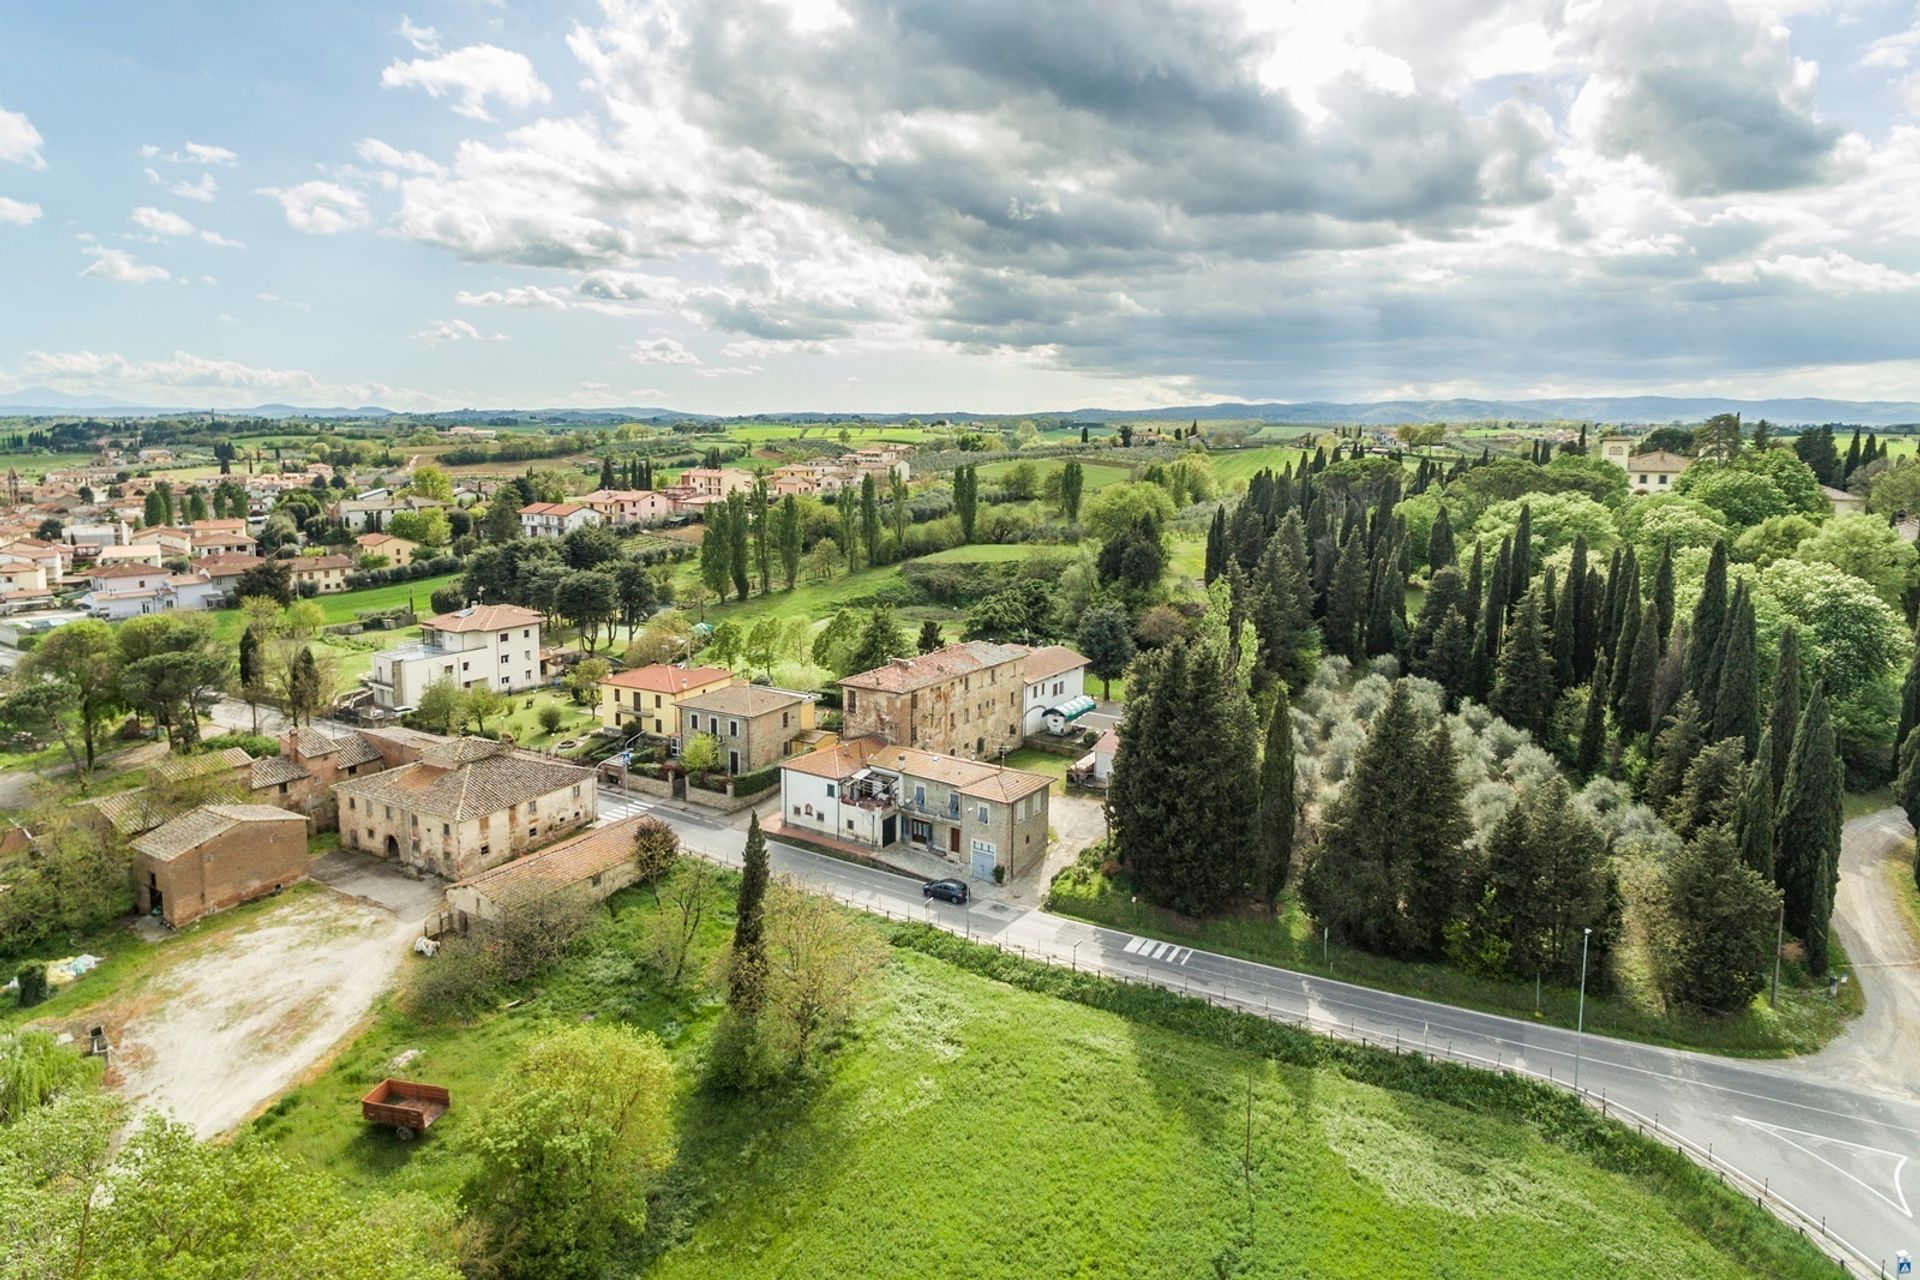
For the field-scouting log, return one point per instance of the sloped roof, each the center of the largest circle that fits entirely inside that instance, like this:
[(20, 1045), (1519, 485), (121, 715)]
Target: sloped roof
[(1051, 661), (197, 826), (179, 768), (559, 866), (745, 700), (303, 564), (274, 770), (1658, 460), (658, 677), (466, 781), (974, 778), (903, 674), (483, 617)]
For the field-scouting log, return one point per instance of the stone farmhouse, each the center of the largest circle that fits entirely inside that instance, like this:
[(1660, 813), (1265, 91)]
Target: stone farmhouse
[(217, 856), (466, 805), (963, 700)]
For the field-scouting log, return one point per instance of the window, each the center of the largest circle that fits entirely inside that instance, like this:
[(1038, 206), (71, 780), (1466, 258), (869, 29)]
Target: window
[(981, 811), (576, 791), (656, 701), (465, 665), (505, 658), (389, 813), (524, 635), (733, 728), (445, 831), (351, 806), (485, 849), (783, 719), (829, 791), (852, 701)]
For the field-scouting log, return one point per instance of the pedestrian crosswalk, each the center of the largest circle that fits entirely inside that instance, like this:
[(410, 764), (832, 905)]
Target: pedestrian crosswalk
[(614, 807), (1153, 949)]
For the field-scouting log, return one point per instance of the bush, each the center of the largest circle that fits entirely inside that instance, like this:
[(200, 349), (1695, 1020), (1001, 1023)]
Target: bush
[(459, 983), (529, 938), (33, 984), (257, 745), (551, 718), (747, 784)]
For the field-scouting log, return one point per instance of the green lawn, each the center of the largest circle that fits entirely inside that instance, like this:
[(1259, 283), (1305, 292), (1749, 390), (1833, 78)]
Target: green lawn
[(997, 552), (523, 721), (1041, 762), (1097, 475), (1240, 464), (344, 605), (1805, 1021)]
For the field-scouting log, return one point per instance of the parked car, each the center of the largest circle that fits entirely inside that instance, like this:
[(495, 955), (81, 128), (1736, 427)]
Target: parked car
[(954, 891)]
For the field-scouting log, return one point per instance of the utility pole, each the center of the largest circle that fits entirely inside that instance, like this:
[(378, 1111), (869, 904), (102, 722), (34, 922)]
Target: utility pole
[(1779, 938)]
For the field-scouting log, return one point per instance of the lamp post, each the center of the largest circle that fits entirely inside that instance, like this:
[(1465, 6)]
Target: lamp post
[(1076, 954), (1580, 1021), (1779, 938)]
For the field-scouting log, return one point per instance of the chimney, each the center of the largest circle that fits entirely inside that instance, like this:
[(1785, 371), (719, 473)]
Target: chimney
[(902, 663)]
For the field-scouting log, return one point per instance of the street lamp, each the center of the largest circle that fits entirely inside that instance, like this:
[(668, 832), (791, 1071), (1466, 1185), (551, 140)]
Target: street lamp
[(1580, 1022), (1076, 955), (1779, 938)]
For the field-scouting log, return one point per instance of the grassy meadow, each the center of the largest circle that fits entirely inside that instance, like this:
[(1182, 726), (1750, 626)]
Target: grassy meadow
[(970, 1127)]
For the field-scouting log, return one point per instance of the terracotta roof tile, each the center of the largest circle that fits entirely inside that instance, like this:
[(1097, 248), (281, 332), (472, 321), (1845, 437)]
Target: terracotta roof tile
[(661, 678), (560, 866), (903, 674), (197, 826)]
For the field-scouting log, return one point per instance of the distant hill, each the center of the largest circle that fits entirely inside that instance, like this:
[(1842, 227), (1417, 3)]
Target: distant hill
[(1617, 409)]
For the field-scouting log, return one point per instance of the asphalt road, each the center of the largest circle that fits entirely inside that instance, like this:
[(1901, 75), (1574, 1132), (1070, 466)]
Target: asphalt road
[(1838, 1153)]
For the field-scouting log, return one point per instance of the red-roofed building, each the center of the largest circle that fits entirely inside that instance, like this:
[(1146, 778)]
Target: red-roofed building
[(555, 519), (647, 698)]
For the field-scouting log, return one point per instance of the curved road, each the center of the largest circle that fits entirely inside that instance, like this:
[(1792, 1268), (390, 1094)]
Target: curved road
[(1831, 1135)]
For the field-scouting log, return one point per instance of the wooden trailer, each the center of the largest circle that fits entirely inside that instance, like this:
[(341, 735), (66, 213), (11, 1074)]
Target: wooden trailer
[(404, 1106)]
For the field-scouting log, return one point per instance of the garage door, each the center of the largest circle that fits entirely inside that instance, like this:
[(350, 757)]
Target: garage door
[(983, 860)]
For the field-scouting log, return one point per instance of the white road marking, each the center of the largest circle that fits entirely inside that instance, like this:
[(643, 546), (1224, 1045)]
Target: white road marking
[(1899, 1161), (1134, 947), (1153, 949)]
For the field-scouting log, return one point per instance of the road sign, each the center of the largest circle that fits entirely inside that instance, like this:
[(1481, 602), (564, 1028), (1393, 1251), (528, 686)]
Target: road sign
[(1903, 1265)]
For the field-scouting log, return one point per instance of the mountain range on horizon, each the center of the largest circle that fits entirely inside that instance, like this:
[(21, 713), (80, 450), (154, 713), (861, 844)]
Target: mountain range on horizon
[(1625, 410)]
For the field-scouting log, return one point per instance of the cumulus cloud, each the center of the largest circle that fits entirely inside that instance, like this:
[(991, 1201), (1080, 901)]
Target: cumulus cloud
[(210, 380), (425, 39), (20, 142), (203, 188), (220, 241), (321, 208), (471, 77), (17, 212), (376, 152), (525, 297), (454, 331), (660, 351), (120, 266), (201, 153), (160, 222)]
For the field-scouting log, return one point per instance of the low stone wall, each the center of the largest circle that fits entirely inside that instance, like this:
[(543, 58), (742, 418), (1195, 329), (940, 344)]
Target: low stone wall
[(725, 801), (651, 786)]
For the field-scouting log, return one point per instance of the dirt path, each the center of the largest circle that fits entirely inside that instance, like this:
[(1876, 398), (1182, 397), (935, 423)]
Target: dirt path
[(1882, 1047), (220, 1034), (17, 787)]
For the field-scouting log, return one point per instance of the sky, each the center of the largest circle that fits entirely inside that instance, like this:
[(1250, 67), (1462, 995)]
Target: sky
[(745, 206)]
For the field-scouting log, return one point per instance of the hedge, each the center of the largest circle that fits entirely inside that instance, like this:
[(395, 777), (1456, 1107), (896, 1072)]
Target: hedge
[(747, 784)]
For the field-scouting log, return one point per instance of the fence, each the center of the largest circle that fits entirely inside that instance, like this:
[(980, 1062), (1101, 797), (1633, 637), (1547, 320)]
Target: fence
[(1851, 1260)]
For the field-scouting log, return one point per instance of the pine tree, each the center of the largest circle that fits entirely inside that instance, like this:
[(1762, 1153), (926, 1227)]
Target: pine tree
[(1347, 599), (1546, 869), (1523, 690), (1709, 613), (1673, 750), (1906, 786), (1389, 869), (1755, 825), (1909, 695), (747, 966), (1445, 592), (1662, 601), (1593, 729), (1715, 940), (1440, 550), (1783, 711), (1736, 703), (1275, 822), (1449, 659), (1807, 826), (1710, 791)]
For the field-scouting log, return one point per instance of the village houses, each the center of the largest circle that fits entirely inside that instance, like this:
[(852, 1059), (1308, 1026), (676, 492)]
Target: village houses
[(647, 699), (963, 700), (496, 646), (752, 723)]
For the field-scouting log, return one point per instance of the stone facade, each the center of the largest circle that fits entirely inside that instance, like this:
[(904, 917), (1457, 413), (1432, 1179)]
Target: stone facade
[(963, 700), (752, 723), (217, 856)]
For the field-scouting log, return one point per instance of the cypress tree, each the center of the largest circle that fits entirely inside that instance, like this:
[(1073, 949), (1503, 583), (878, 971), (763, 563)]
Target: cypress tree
[(1709, 613), (1909, 695), (1635, 712), (1523, 690), (1670, 676), (1783, 712), (1347, 599), (1387, 602), (1662, 601), (1275, 823), (1608, 623), (1216, 543), (1564, 627), (1755, 826), (1476, 585), (1620, 649), (1709, 690), (747, 967), (1577, 589), (1807, 825), (1593, 729), (1586, 636), (1674, 750), (1736, 703), (1906, 786), (1520, 570), (1440, 551), (1445, 592), (1449, 659), (1281, 609), (1716, 940), (1852, 462), (1710, 791)]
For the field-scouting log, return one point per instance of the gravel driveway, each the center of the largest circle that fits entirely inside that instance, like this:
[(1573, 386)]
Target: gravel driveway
[(1881, 1049)]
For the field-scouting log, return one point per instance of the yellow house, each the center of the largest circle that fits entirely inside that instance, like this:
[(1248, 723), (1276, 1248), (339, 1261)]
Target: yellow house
[(647, 699)]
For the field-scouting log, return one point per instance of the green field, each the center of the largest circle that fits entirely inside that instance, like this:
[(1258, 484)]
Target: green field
[(1805, 1021), (1230, 465), (343, 606), (970, 1127), (1097, 475)]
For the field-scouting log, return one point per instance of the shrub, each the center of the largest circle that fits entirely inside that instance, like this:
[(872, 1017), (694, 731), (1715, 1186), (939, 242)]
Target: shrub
[(257, 745), (655, 848), (531, 937), (759, 780), (551, 718), (458, 983), (33, 984)]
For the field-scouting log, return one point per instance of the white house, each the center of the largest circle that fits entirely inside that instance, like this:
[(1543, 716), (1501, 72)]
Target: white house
[(1055, 676), (626, 506), (555, 519), (496, 646), (168, 593)]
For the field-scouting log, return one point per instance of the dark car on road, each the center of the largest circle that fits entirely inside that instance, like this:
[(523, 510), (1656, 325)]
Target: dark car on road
[(954, 891)]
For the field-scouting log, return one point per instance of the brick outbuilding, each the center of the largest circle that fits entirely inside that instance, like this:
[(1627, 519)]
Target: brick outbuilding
[(217, 856)]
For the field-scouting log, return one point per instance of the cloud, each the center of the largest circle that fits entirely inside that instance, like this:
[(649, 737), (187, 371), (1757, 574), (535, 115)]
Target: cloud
[(471, 76), (161, 222), (660, 351), (220, 241), (203, 189), (201, 153), (120, 266), (454, 331), (19, 141), (212, 381), (425, 39), (321, 208), (17, 212), (376, 152), (526, 297), (288, 303), (1895, 51)]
